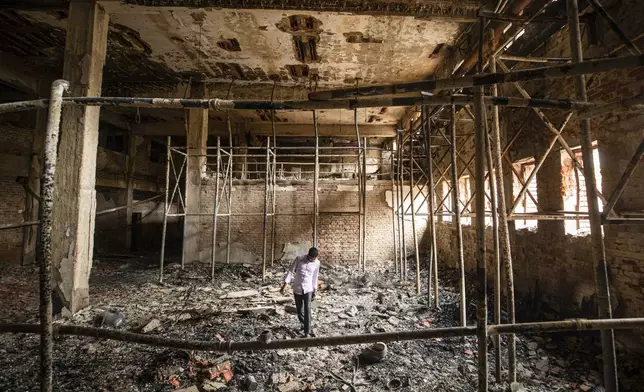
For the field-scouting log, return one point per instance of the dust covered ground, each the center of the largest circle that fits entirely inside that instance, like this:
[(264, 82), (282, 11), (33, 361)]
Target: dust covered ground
[(188, 305)]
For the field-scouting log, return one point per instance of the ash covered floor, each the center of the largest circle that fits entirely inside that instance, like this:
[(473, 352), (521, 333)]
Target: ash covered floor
[(189, 306)]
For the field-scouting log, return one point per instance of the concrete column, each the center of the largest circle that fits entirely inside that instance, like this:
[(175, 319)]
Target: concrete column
[(197, 139), (75, 207)]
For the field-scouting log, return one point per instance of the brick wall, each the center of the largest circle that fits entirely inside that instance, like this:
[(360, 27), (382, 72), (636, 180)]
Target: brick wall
[(15, 145), (338, 226), (561, 265)]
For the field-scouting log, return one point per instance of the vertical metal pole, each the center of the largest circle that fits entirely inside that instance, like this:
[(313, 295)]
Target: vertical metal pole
[(358, 177), (274, 185), (230, 186), (394, 201), (413, 210), (497, 256), (316, 177), (399, 206), (401, 173), (504, 233), (432, 225), (46, 227), (215, 211), (166, 207), (364, 203), (266, 182), (598, 251), (460, 259), (479, 161)]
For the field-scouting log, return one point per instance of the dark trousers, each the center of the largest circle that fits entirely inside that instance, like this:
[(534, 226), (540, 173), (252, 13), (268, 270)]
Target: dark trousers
[(303, 306)]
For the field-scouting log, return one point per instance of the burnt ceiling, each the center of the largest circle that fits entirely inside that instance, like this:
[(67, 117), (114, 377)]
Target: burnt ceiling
[(156, 48)]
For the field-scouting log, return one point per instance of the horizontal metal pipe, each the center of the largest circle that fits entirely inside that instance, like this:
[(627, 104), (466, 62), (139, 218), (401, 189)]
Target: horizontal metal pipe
[(115, 209), (459, 100), (567, 325), (525, 59), (17, 225), (560, 71), (396, 336), (613, 107)]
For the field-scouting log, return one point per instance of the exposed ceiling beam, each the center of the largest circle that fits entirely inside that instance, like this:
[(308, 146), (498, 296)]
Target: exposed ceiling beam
[(460, 10), (264, 129)]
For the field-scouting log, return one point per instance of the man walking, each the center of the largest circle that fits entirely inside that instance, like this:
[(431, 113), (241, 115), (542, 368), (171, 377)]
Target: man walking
[(303, 275)]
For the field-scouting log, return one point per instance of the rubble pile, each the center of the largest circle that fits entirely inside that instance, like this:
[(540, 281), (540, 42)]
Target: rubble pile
[(238, 306)]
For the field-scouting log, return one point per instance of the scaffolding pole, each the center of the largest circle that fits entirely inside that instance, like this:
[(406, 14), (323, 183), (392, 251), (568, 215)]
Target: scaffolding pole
[(432, 224), (479, 161), (399, 204), (401, 173), (266, 194), (359, 180), (598, 250), (364, 204), (504, 233), (481, 79), (326, 341), (215, 211), (166, 207), (394, 202), (413, 211), (273, 183), (460, 259), (46, 232), (497, 254), (316, 176), (230, 185)]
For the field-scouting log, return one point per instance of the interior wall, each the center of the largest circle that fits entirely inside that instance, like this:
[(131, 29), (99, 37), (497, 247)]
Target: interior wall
[(15, 148), (338, 225), (549, 264)]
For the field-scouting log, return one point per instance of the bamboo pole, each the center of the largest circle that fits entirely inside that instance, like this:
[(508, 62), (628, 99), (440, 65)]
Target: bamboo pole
[(479, 162), (413, 212), (504, 233), (598, 250), (266, 184), (480, 79), (316, 175), (215, 211), (460, 259)]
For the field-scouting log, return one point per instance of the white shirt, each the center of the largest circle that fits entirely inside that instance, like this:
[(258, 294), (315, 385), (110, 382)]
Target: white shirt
[(304, 275)]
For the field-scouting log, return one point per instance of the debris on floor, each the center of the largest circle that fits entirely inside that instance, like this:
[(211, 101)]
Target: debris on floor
[(238, 306)]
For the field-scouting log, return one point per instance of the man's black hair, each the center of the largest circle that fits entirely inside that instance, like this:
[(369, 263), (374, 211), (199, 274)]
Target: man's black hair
[(313, 252)]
